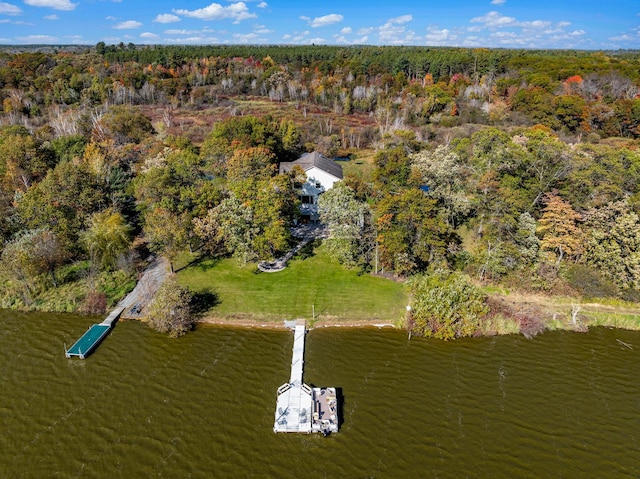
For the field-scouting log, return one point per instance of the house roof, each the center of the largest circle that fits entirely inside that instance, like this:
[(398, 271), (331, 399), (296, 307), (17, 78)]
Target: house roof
[(314, 159)]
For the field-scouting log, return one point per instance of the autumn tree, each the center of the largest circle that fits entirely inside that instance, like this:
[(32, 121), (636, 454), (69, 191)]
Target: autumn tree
[(22, 159), (275, 206), (107, 238), (601, 175), (250, 163), (445, 177), (124, 124), (526, 241), (254, 221), (571, 112), (351, 235), (30, 254), (613, 243), (173, 188), (166, 232), (246, 132), (230, 226), (392, 170), (62, 201), (558, 228), (170, 310), (545, 164), (411, 235)]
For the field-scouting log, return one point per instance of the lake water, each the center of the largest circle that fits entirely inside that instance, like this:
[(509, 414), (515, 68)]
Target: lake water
[(562, 405)]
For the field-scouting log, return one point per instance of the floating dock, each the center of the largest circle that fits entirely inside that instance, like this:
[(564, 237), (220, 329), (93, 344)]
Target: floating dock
[(88, 342), (300, 408), (130, 307), (94, 335)]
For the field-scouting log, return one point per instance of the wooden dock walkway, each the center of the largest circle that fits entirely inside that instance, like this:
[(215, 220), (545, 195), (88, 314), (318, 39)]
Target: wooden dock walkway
[(136, 300), (300, 408)]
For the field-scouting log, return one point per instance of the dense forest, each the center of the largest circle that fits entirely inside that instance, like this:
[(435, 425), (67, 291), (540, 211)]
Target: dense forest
[(482, 166)]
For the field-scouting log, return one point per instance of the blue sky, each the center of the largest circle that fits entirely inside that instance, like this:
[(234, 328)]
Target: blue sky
[(584, 24)]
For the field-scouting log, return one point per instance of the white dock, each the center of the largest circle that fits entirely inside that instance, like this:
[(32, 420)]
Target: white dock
[(300, 408), (293, 410), (297, 358)]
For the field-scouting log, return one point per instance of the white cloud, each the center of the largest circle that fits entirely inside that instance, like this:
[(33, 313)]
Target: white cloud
[(511, 32), (365, 31), (181, 32), (149, 36), (9, 9), (628, 39), (302, 38), (438, 36), (192, 40), (346, 30), (498, 2), (55, 4), (502, 35), (128, 25), (38, 39), (111, 18), (341, 40), (236, 11), (326, 20), (401, 19), (166, 18), (535, 25), (494, 20), (623, 38), (245, 38), (394, 32), (262, 5), (76, 39), (51, 17)]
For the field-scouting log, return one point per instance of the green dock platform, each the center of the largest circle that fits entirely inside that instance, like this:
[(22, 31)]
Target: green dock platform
[(89, 340)]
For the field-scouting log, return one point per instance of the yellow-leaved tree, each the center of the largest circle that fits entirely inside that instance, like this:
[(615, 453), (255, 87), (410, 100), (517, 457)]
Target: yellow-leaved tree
[(558, 228)]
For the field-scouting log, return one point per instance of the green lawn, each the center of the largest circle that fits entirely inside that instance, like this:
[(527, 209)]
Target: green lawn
[(335, 292)]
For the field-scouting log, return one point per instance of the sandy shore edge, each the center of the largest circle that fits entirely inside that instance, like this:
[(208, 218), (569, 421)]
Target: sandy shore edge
[(279, 325)]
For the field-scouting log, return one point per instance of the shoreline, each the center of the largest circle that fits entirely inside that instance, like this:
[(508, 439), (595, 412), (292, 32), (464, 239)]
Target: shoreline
[(279, 325)]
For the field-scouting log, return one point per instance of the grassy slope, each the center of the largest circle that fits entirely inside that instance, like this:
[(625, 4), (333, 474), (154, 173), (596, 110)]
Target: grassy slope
[(338, 294), (69, 296)]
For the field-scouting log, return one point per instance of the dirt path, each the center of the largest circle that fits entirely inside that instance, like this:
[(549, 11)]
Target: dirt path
[(138, 299), (305, 233)]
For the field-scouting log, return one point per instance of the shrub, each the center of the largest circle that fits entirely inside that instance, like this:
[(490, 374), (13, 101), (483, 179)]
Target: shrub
[(94, 303), (632, 295), (446, 306), (589, 282), (170, 310)]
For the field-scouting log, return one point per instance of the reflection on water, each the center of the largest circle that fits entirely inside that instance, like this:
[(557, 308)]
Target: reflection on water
[(144, 405)]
